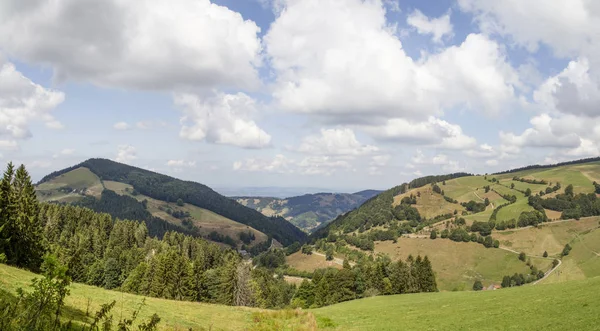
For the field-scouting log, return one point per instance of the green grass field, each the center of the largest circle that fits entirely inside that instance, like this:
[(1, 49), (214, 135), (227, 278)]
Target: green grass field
[(566, 306), (584, 259), (549, 237), (80, 179), (458, 265), (429, 204), (175, 315), (580, 176)]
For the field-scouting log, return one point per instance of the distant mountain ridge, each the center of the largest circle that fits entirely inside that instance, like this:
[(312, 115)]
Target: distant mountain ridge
[(169, 189), (308, 211)]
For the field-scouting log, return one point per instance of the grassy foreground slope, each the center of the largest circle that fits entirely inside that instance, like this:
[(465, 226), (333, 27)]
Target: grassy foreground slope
[(566, 306), (175, 315)]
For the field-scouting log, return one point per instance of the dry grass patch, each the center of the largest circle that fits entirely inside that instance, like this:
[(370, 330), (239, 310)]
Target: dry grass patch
[(458, 265), (549, 237), (311, 262)]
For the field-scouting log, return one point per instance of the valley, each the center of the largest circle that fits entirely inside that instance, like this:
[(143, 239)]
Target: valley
[(308, 211)]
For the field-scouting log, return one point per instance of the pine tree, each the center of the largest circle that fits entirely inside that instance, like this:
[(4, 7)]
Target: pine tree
[(427, 276), (26, 247), (6, 212)]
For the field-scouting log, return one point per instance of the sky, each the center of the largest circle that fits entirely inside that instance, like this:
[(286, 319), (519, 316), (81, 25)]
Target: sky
[(330, 94)]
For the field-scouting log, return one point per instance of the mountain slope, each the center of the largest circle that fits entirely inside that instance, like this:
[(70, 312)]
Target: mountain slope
[(310, 210), (170, 190)]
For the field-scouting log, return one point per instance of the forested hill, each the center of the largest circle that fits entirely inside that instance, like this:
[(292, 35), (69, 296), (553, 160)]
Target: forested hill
[(169, 189), (378, 211)]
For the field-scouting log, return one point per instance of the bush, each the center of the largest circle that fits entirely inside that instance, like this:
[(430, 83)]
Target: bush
[(522, 256), (477, 286), (433, 235)]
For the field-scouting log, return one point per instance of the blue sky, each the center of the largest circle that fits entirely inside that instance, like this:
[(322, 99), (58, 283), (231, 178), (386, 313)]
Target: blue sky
[(332, 94)]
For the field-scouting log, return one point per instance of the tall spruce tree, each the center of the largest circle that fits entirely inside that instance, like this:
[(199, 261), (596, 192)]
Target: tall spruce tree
[(6, 211), (20, 214)]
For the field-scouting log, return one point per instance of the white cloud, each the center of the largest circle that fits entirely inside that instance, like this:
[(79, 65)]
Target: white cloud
[(330, 67), (181, 164), (491, 162), (565, 25), (541, 134), (151, 44), (23, 102), (126, 153), (221, 119), (434, 132), (482, 151), (121, 126), (437, 27), (573, 91), (360, 73), (335, 142)]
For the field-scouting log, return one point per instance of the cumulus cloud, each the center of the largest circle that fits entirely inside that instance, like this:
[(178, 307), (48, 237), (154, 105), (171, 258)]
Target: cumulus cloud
[(221, 119), (335, 142), (126, 153), (149, 44), (437, 27), (23, 102), (541, 134), (573, 91), (565, 25), (360, 72), (433, 132), (121, 126)]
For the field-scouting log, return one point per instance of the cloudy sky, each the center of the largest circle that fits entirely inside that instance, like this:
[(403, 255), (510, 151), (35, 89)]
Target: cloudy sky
[(336, 94)]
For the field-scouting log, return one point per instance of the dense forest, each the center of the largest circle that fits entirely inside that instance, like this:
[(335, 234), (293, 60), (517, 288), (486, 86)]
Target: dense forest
[(125, 207), (170, 189)]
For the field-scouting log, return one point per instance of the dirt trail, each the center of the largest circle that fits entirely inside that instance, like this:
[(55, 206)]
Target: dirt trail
[(336, 260), (477, 195), (547, 273)]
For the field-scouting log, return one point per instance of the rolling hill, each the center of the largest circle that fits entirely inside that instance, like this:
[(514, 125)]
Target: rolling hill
[(308, 211), (102, 185), (564, 306), (484, 222)]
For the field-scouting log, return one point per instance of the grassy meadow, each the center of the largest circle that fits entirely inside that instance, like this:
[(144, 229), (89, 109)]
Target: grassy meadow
[(457, 265), (566, 306)]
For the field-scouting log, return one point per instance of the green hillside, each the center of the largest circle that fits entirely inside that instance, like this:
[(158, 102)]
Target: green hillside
[(175, 315), (89, 176), (566, 306), (481, 223), (308, 211)]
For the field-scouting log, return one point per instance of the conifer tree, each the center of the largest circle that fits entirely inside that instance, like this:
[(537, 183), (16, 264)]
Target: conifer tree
[(6, 211)]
